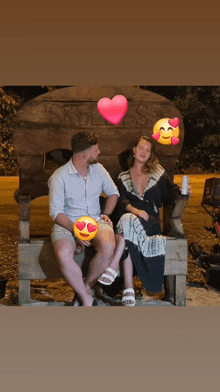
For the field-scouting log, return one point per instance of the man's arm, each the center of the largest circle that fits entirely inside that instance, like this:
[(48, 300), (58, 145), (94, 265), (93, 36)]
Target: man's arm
[(111, 202), (64, 221), (109, 207), (56, 203)]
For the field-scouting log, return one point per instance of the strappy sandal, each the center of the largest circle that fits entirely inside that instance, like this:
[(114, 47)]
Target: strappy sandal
[(128, 295), (111, 277), (76, 302)]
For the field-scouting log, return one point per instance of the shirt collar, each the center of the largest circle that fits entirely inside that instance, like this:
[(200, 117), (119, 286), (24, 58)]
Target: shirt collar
[(72, 169)]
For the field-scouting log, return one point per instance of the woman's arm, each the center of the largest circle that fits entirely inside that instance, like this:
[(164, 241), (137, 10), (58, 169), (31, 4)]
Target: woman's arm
[(139, 213), (124, 200)]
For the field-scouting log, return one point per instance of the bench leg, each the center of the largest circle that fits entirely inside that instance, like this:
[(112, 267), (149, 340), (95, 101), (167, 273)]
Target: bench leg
[(180, 290), (169, 287), (175, 289), (24, 292)]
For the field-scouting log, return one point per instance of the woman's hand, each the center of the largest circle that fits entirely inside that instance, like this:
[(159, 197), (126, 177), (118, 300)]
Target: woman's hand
[(142, 214), (189, 191), (106, 219)]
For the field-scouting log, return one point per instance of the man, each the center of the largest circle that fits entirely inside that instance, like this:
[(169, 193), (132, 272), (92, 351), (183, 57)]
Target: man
[(74, 191)]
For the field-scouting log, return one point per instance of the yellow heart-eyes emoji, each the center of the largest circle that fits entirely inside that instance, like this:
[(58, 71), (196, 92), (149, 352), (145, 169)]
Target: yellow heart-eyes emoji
[(85, 228)]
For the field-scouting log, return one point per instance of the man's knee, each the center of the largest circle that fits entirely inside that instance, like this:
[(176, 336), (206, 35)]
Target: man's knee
[(64, 249), (105, 243)]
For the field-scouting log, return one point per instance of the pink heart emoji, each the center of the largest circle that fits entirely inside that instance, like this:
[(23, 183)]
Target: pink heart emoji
[(174, 122), (113, 110), (91, 227), (175, 140), (156, 136), (80, 225)]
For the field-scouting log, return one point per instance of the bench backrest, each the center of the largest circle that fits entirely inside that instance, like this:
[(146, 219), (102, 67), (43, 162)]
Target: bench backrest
[(46, 124)]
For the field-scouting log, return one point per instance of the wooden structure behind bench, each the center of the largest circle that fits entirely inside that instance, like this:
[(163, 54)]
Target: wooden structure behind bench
[(45, 127)]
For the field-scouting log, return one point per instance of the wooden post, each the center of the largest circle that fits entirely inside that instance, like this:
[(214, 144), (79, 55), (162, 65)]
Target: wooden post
[(172, 217), (169, 288), (180, 290), (24, 237), (24, 292), (24, 218)]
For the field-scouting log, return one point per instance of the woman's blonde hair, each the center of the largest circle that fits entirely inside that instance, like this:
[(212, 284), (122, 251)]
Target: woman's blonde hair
[(151, 164)]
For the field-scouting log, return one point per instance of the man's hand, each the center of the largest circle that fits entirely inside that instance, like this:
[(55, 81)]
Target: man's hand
[(106, 219), (142, 214), (86, 243)]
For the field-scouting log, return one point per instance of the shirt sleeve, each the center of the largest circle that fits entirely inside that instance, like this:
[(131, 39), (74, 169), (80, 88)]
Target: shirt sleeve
[(56, 196), (108, 185)]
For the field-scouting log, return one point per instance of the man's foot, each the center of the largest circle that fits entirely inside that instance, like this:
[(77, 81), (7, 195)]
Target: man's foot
[(92, 302), (108, 277), (88, 302), (76, 301), (128, 297)]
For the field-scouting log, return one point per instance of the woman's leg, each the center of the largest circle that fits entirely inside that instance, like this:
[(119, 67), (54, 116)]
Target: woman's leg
[(128, 297), (128, 273)]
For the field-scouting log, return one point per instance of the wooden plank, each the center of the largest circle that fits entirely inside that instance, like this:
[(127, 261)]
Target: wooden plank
[(176, 256), (180, 290), (169, 288), (180, 205), (38, 261), (24, 230), (30, 165), (24, 207), (110, 140), (48, 116), (24, 292), (174, 267)]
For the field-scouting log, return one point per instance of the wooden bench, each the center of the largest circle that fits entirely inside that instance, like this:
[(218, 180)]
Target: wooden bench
[(40, 125), (37, 259)]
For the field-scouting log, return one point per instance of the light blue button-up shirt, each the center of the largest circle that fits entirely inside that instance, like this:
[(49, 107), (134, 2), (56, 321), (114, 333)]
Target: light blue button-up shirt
[(70, 194)]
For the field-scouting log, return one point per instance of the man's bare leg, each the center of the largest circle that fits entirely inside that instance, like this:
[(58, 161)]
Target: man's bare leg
[(127, 265), (120, 245), (104, 243), (64, 250)]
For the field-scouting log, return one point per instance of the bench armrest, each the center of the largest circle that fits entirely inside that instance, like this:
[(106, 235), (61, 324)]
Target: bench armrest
[(172, 217)]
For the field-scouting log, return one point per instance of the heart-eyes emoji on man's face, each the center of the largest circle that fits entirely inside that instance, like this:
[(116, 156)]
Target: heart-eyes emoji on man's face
[(85, 228)]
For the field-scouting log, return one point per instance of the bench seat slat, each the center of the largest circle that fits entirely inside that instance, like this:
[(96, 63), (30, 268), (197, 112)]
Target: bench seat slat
[(37, 259)]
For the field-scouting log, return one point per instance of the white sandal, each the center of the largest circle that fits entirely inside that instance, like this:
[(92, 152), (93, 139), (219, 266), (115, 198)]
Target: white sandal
[(128, 297), (111, 277)]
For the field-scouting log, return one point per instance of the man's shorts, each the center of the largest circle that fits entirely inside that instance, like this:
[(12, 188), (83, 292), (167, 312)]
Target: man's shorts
[(60, 233)]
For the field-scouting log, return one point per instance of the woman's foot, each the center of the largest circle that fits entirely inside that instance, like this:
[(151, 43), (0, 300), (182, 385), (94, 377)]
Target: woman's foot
[(108, 277), (128, 297)]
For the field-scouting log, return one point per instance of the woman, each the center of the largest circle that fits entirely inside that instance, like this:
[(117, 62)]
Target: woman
[(144, 188)]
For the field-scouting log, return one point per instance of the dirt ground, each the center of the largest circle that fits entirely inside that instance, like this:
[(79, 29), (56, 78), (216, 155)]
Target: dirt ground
[(194, 220)]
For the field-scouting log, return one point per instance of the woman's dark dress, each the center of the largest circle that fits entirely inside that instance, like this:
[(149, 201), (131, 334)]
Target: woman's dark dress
[(144, 240)]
